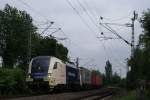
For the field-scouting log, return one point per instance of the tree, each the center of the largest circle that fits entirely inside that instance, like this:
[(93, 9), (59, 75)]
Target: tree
[(108, 72), (47, 46), (62, 52), (116, 79), (144, 42), (141, 59), (15, 27)]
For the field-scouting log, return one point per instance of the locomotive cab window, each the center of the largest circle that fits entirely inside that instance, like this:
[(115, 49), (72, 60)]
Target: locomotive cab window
[(40, 65)]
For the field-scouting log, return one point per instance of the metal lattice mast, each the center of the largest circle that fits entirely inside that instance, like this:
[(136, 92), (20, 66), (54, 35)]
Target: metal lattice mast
[(132, 37)]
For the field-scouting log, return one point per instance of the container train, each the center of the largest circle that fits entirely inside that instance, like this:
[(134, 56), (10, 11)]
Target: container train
[(51, 73)]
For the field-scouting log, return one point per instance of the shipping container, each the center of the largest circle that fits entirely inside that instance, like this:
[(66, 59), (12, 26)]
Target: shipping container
[(93, 79), (96, 79)]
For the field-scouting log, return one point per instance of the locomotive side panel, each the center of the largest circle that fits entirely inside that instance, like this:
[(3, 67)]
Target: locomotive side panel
[(59, 73), (72, 75)]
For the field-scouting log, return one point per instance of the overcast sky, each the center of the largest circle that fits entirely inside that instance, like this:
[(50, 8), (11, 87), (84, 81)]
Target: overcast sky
[(79, 20)]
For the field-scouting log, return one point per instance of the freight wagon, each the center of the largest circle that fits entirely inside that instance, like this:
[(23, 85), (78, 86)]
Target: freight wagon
[(50, 73), (96, 79), (85, 78)]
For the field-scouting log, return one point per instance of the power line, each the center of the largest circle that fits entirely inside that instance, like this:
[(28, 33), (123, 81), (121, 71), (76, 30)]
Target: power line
[(118, 19), (82, 19), (86, 4), (118, 24), (128, 25), (55, 31), (86, 25), (114, 32), (86, 11), (32, 9), (111, 53), (51, 23), (71, 6), (105, 23), (115, 55), (110, 49), (106, 38)]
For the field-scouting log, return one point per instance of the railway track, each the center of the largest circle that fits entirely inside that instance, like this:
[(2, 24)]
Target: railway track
[(98, 94), (96, 97)]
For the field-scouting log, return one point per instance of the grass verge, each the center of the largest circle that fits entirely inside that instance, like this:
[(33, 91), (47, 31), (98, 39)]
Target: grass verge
[(129, 96)]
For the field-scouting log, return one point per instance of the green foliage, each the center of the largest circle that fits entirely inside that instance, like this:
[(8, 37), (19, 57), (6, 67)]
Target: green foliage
[(96, 72), (112, 79), (129, 96), (15, 29), (141, 60), (61, 52), (15, 26), (108, 72), (49, 46), (12, 81), (115, 79)]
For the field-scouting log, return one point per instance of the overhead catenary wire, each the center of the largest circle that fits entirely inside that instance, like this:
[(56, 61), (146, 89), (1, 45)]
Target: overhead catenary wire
[(38, 13), (110, 51), (87, 6), (51, 23), (118, 24), (118, 19), (89, 15), (47, 21), (118, 36), (97, 27), (106, 53), (33, 10), (115, 56), (114, 32), (105, 23), (82, 19)]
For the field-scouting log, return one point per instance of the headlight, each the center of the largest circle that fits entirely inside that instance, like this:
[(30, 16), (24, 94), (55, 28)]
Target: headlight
[(49, 75), (29, 76)]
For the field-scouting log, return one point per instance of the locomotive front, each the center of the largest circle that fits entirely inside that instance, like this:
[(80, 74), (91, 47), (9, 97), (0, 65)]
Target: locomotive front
[(38, 76)]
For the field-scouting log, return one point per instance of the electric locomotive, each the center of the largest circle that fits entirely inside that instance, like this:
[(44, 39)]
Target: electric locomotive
[(47, 72)]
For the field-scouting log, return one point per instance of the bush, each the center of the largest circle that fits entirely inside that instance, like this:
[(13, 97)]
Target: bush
[(12, 81)]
